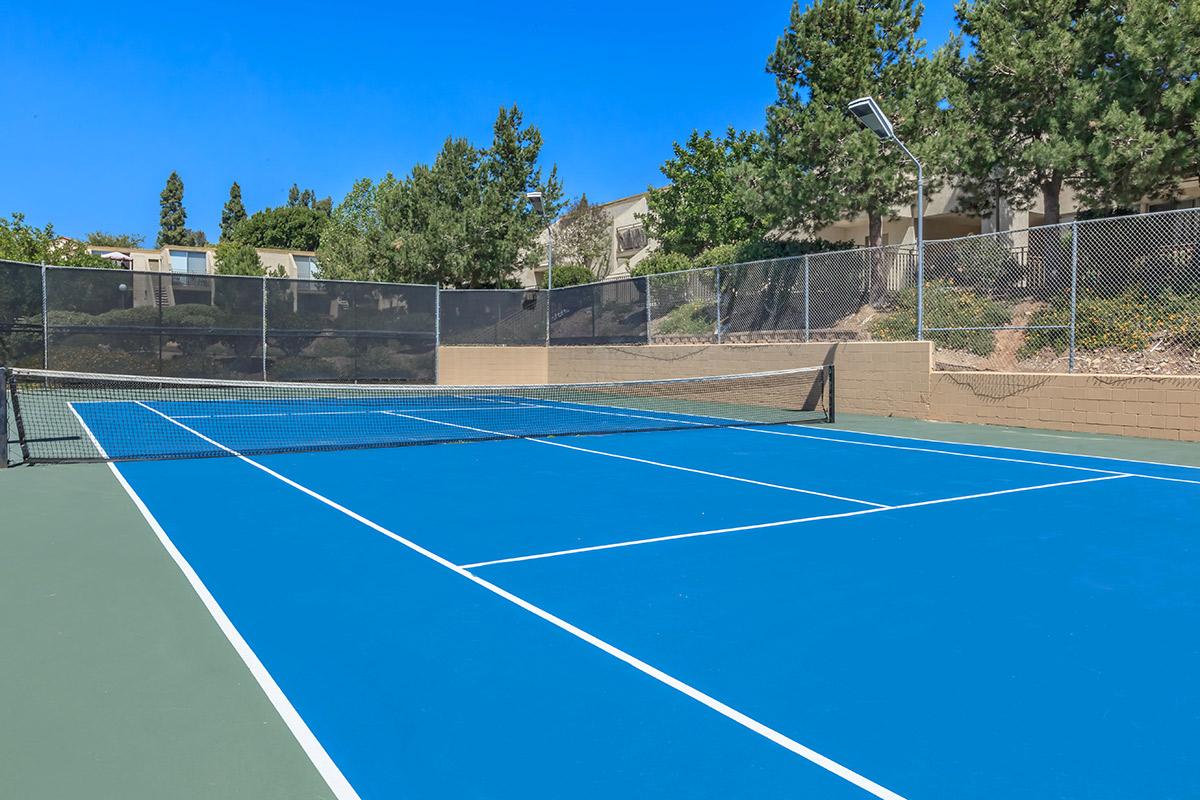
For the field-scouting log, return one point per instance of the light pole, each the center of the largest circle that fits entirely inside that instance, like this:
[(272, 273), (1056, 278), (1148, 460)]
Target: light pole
[(535, 200), (867, 112)]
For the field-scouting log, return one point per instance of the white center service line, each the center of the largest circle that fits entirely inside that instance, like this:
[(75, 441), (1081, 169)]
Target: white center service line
[(638, 460), (782, 522), (686, 689)]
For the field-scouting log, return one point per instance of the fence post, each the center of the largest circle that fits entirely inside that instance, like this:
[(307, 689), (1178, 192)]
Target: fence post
[(1074, 290), (649, 339), (437, 331), (3, 418), (264, 327), (921, 288), (718, 288), (549, 295), (45, 322), (807, 326)]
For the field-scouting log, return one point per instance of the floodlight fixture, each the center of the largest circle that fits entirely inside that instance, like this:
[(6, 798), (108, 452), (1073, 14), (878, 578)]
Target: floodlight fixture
[(871, 117)]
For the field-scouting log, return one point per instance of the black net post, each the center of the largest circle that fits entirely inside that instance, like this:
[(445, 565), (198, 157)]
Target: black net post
[(829, 392)]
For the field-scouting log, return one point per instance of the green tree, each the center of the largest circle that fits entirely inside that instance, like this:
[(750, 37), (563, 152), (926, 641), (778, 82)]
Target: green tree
[(235, 258), (29, 243), (822, 166), (461, 221), (233, 212), (122, 240), (307, 198), (172, 217), (1023, 88), (583, 237), (568, 275), (709, 197), (1143, 132), (285, 227)]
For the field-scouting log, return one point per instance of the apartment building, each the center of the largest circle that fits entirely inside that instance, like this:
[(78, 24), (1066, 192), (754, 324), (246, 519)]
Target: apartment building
[(943, 220), (201, 260)]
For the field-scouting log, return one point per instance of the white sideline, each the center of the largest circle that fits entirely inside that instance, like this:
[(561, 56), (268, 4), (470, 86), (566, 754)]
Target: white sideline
[(716, 705), (780, 523), (638, 460), (308, 742)]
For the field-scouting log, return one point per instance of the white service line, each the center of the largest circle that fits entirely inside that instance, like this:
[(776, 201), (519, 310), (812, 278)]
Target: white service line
[(304, 736), (690, 691), (782, 522), (338, 413), (639, 460), (753, 426)]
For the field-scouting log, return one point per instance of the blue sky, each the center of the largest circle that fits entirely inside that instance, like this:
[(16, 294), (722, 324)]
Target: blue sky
[(101, 101)]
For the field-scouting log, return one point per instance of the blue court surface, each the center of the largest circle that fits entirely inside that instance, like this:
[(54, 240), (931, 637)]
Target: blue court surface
[(762, 612)]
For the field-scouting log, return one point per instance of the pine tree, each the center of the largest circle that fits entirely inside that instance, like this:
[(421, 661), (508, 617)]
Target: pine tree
[(172, 218), (821, 166), (233, 212)]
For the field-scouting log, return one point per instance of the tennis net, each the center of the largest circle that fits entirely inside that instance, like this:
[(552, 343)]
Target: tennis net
[(72, 417)]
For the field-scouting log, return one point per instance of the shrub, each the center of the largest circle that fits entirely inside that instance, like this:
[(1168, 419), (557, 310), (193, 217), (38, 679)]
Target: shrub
[(572, 275), (660, 262), (1129, 321), (689, 319), (946, 306)]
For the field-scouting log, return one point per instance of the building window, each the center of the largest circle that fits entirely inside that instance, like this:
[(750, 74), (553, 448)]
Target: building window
[(631, 238), (189, 261), (307, 267)]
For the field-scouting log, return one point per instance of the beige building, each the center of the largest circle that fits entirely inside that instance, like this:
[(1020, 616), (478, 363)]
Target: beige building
[(201, 260), (943, 220)]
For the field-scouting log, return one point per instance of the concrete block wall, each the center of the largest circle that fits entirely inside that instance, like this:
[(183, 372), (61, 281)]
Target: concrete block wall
[(884, 378), (878, 378), (489, 366), (1161, 407)]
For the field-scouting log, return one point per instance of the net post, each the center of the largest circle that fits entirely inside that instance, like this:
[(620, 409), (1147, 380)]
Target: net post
[(11, 385), (264, 326), (717, 285), (45, 322), (3, 417), (832, 403)]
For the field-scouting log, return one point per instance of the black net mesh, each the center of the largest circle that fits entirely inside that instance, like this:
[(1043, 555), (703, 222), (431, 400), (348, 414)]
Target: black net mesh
[(20, 314), (66, 416), (340, 330), (493, 316), (612, 312)]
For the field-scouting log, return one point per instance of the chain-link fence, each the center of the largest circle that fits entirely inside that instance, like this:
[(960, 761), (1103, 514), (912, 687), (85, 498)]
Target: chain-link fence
[(1119, 294), (216, 326), (505, 317)]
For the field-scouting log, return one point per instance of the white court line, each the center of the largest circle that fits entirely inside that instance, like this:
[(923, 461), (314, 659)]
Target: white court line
[(780, 523), (338, 413), (690, 691), (638, 460), (1023, 450), (753, 426), (308, 741)]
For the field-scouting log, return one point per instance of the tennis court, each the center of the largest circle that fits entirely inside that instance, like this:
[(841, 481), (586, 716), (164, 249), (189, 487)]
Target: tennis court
[(665, 589)]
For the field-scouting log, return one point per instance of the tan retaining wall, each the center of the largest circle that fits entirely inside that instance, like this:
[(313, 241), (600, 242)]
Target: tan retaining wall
[(885, 378), (879, 378), (1162, 407), (473, 366)]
